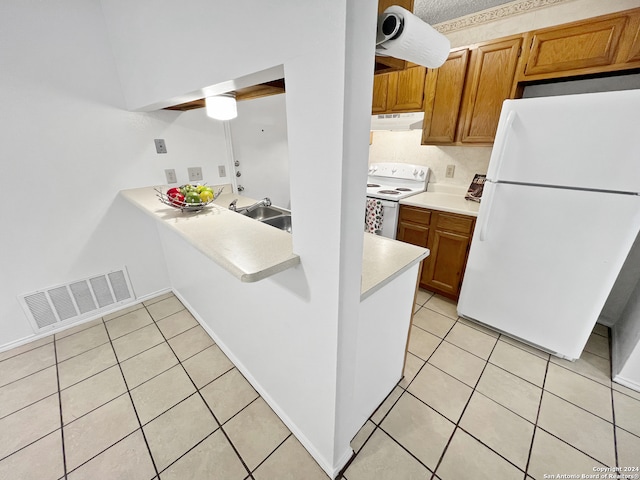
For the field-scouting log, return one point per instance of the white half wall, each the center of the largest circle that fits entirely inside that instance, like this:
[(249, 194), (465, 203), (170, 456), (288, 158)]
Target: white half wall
[(168, 50)]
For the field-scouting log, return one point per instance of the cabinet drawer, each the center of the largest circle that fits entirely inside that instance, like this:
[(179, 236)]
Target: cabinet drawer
[(454, 223), (415, 214)]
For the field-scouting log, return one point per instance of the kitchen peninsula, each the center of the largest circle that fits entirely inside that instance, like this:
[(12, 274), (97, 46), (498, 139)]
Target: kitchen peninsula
[(250, 291), (252, 251)]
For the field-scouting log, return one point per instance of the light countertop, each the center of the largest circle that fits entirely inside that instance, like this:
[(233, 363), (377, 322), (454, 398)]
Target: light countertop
[(233, 241), (237, 243), (384, 259), (444, 199)]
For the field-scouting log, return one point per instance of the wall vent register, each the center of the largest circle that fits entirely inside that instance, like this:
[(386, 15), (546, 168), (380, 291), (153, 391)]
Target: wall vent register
[(54, 307)]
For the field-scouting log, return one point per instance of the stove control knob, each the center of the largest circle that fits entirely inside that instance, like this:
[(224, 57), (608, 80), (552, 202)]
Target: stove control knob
[(422, 173), (415, 172), (394, 170)]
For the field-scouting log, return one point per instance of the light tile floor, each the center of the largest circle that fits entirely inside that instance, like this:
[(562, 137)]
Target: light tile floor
[(145, 393), (477, 404)]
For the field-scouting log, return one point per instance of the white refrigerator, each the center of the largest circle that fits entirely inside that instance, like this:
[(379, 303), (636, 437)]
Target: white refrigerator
[(560, 212)]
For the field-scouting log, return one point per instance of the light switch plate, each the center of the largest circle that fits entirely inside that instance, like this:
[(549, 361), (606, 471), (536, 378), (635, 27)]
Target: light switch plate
[(161, 147), (221, 171), (195, 174)]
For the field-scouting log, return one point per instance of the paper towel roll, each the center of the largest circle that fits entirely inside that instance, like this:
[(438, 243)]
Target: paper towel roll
[(403, 35)]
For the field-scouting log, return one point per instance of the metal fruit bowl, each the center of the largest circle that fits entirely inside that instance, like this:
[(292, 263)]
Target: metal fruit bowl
[(185, 206)]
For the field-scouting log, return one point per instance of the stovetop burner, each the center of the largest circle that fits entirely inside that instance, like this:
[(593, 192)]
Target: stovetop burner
[(395, 181)]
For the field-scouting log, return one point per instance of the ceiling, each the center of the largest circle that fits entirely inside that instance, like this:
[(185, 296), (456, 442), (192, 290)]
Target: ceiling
[(438, 11)]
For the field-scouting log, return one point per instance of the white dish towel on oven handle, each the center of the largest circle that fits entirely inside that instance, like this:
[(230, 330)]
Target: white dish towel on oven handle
[(373, 216)]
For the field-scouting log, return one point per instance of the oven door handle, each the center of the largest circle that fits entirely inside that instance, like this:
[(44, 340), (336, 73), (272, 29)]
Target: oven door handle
[(385, 203)]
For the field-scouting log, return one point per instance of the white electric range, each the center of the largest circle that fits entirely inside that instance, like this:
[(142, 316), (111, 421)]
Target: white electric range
[(389, 183)]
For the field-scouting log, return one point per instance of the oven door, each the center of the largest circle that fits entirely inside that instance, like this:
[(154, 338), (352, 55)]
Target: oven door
[(389, 218)]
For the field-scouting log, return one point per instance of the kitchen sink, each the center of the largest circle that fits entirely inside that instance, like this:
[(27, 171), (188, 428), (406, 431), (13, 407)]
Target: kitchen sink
[(283, 222), (262, 212)]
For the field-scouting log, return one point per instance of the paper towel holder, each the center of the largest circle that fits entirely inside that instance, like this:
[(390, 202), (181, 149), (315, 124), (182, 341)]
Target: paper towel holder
[(389, 26), (403, 35)]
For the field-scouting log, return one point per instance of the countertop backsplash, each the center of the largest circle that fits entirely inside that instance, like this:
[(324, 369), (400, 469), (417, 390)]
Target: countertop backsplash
[(404, 147)]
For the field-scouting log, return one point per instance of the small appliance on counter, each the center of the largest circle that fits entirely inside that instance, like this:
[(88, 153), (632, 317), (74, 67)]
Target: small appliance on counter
[(475, 189), (387, 184)]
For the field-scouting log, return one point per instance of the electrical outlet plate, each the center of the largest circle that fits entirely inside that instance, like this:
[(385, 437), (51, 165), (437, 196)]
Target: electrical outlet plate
[(170, 173), (221, 171), (195, 174), (450, 171), (161, 147)]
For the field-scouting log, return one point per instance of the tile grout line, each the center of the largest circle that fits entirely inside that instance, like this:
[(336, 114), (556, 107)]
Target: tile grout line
[(443, 339), (554, 435), (457, 423), (272, 452), (202, 398), (34, 402), (405, 390), (135, 410), (580, 374), (64, 454), (26, 376), (34, 441), (535, 425), (578, 406), (87, 350), (570, 445), (432, 472), (613, 406), (26, 351)]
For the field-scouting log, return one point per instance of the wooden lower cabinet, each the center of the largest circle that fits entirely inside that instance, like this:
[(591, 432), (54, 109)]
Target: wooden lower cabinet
[(447, 236)]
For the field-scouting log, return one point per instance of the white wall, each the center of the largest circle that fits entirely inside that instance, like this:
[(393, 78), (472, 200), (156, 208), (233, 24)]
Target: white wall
[(168, 50), (259, 136), (67, 148)]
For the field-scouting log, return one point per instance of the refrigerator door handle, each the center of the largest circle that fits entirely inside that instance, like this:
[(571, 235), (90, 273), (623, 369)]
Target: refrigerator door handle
[(511, 117), (484, 226)]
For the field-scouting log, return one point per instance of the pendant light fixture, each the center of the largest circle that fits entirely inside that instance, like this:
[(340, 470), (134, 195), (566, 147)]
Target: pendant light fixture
[(221, 107)]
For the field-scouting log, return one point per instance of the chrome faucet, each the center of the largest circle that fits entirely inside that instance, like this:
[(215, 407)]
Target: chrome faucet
[(266, 201)]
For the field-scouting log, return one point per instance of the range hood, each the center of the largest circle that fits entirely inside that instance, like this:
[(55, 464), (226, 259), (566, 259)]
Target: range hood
[(397, 121)]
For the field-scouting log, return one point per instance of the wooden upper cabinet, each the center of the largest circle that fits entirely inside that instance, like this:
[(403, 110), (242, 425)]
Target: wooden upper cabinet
[(380, 89), (634, 53), (583, 45), (398, 92), (490, 81), (406, 90), (463, 98), (630, 43), (597, 45), (442, 99)]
